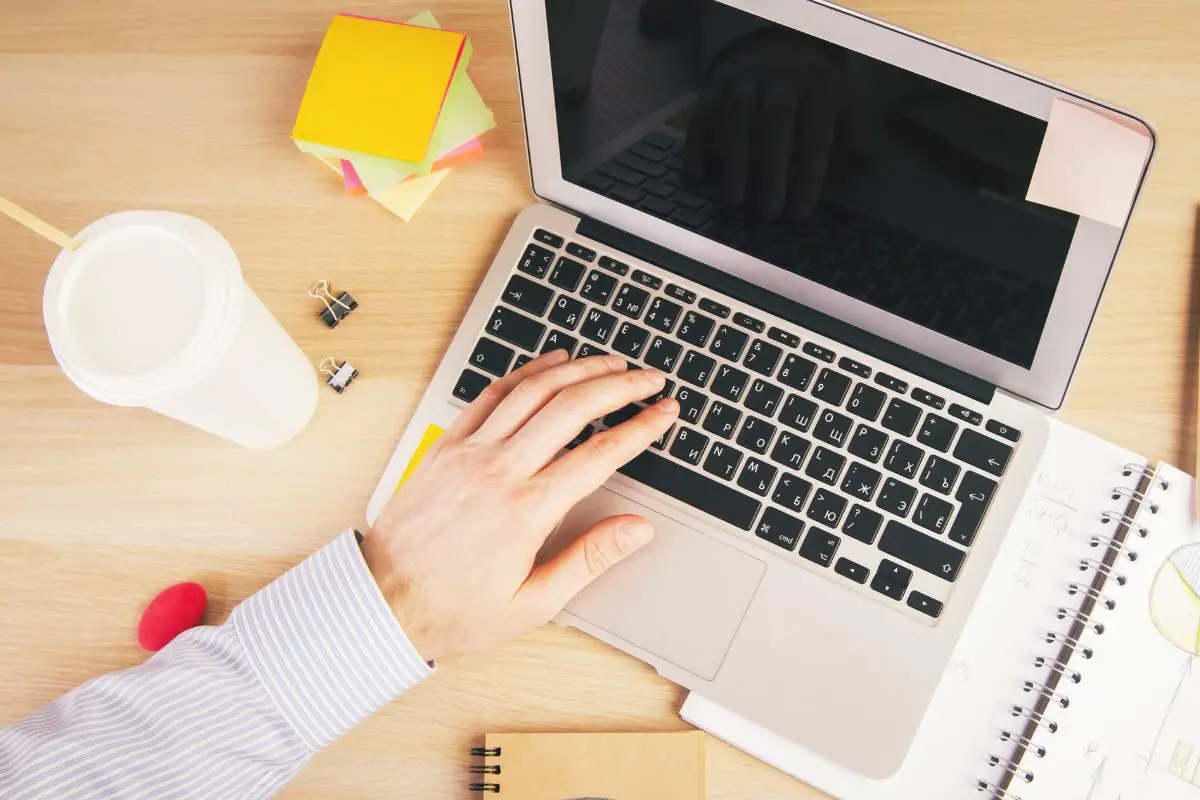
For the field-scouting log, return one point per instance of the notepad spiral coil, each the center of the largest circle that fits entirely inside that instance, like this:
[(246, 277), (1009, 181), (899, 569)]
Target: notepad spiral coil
[(1091, 597), (485, 769)]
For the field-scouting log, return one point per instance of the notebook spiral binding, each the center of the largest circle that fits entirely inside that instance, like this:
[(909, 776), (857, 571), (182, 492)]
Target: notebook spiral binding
[(485, 769), (1089, 599)]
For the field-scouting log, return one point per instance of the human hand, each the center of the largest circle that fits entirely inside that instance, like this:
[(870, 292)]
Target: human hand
[(454, 550), (764, 127)]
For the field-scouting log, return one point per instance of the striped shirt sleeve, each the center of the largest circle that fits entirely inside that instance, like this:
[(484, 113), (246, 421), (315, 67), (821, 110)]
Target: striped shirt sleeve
[(232, 711)]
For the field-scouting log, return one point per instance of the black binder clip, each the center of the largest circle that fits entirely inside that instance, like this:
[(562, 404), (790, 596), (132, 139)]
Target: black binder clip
[(340, 375), (336, 308)]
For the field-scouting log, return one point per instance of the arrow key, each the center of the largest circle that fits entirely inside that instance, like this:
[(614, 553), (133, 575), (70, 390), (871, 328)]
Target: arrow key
[(891, 579), (983, 452)]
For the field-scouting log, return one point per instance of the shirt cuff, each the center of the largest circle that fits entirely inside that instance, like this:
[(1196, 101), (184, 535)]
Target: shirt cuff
[(326, 645)]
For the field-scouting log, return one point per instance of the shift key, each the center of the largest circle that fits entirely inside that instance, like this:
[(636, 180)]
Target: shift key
[(924, 552)]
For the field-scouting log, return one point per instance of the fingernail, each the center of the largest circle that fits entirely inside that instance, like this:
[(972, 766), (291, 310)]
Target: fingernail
[(634, 535), (668, 405), (555, 356), (616, 362)]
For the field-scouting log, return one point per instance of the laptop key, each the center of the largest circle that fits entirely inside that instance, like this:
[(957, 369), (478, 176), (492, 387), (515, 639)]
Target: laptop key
[(567, 312), (696, 328), (921, 550), (762, 357), (581, 252), (587, 349), (863, 524), (928, 398), (680, 293), (691, 404), (491, 356), (825, 465), (867, 443), (983, 452), (567, 274), (722, 419), (623, 414), (599, 287), (598, 326), (783, 337), (866, 402), (831, 387), (796, 372), (888, 382), (854, 367), (668, 387), (939, 474), (612, 265), (791, 492), (546, 237), (646, 279), (1003, 431), (747, 321), (663, 354), (661, 442), (763, 397), (713, 307), (904, 459), (827, 507), (896, 497), (861, 481), (557, 340), (816, 351), (974, 494), (833, 428), (819, 546), (932, 513), (663, 315), (631, 301), (630, 340), (965, 414), (779, 528), (757, 476), (694, 489), (470, 384), (891, 579), (937, 432), (730, 382), (722, 461), (696, 368), (689, 446), (901, 417), (790, 450), (515, 328), (925, 604), (527, 295), (521, 361), (756, 434), (729, 343), (535, 261), (852, 570), (798, 412)]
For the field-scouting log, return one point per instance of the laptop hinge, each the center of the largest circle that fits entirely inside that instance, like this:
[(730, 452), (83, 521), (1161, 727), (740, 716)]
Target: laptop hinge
[(928, 368)]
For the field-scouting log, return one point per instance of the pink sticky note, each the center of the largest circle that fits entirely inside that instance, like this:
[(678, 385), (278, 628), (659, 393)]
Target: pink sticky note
[(1091, 163), (468, 151), (350, 178)]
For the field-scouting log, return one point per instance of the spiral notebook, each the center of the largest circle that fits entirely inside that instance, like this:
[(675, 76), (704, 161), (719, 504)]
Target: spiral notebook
[(591, 766), (1075, 678)]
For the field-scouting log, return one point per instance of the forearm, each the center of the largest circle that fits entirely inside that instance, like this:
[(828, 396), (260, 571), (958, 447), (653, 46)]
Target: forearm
[(233, 711)]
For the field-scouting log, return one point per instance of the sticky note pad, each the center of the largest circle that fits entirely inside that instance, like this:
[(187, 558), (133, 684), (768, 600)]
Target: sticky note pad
[(354, 184), (1090, 164), (378, 87), (431, 435), (404, 198)]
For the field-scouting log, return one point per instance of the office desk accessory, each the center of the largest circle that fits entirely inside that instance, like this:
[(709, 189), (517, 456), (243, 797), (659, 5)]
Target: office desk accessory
[(336, 307), (338, 375)]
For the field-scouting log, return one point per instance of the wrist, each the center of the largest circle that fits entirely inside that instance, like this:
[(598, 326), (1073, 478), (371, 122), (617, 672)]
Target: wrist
[(395, 589)]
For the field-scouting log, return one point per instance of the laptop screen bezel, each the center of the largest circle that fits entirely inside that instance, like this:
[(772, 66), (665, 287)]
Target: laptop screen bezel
[(1089, 261)]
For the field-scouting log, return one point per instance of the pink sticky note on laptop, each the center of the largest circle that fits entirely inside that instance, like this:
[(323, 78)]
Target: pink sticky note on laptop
[(1091, 163)]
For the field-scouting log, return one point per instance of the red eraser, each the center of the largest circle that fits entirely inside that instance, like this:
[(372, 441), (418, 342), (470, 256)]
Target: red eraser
[(172, 612)]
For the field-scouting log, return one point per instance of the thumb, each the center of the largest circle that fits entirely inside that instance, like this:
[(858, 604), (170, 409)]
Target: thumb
[(552, 585)]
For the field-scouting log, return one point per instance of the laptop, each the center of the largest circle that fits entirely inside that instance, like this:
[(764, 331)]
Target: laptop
[(816, 224)]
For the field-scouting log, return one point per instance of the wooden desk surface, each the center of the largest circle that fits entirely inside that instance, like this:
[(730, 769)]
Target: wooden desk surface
[(188, 106)]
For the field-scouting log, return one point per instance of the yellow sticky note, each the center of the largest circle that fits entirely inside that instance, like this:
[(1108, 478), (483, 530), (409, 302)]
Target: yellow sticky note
[(404, 198), (378, 87), (432, 434)]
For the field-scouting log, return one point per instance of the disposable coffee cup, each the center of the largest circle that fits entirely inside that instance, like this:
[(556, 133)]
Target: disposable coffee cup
[(151, 311)]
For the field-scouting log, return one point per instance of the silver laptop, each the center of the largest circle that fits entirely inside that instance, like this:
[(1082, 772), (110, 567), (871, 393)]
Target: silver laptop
[(816, 225)]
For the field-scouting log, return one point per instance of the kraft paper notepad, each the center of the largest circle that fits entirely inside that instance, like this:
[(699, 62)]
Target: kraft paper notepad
[(592, 766), (378, 87)]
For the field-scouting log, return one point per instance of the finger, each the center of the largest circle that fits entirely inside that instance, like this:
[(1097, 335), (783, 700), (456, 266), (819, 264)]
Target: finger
[(552, 585), (529, 396), (734, 139), (482, 406), (548, 432), (585, 469), (816, 124), (776, 135)]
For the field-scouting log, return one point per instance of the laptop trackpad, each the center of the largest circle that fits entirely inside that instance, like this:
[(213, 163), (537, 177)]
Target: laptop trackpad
[(681, 597)]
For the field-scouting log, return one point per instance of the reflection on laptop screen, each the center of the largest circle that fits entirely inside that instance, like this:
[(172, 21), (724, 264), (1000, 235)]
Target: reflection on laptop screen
[(879, 183)]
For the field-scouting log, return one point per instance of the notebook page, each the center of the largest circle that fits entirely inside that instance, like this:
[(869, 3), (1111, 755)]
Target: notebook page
[(1132, 730), (995, 655)]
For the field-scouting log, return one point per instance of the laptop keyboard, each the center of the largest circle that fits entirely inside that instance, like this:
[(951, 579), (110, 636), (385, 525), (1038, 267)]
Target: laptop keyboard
[(842, 467)]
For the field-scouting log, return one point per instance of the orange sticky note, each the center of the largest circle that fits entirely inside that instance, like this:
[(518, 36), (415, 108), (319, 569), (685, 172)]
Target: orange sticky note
[(378, 87), (460, 155), (431, 435)]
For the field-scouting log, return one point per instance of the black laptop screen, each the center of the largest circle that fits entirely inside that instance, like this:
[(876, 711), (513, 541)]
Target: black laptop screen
[(879, 183)]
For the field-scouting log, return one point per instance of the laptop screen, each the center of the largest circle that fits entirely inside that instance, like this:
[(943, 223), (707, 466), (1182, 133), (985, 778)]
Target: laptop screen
[(879, 183)]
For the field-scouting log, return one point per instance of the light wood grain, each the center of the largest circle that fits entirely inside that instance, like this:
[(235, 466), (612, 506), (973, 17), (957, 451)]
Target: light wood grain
[(187, 106)]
